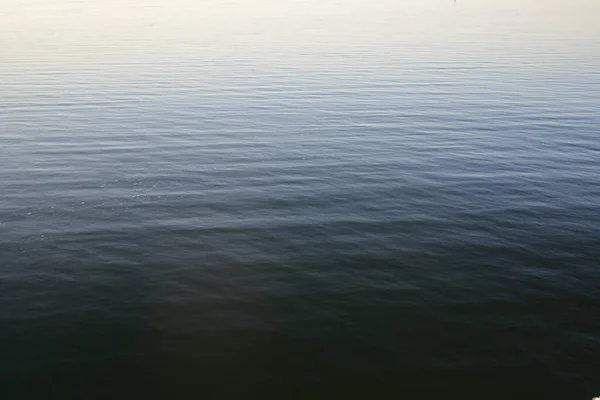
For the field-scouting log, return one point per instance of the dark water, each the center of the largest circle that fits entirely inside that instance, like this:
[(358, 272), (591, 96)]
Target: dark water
[(403, 193)]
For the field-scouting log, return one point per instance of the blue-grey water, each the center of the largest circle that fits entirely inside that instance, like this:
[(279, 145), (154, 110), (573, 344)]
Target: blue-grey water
[(395, 192)]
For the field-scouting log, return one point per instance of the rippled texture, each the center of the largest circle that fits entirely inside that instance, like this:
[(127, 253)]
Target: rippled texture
[(297, 192)]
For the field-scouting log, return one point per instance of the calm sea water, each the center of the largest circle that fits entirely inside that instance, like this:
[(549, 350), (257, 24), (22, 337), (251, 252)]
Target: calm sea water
[(399, 192)]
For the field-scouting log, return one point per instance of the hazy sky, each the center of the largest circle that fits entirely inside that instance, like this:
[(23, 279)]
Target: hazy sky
[(64, 24)]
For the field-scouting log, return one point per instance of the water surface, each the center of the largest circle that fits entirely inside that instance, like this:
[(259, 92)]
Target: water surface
[(398, 192)]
